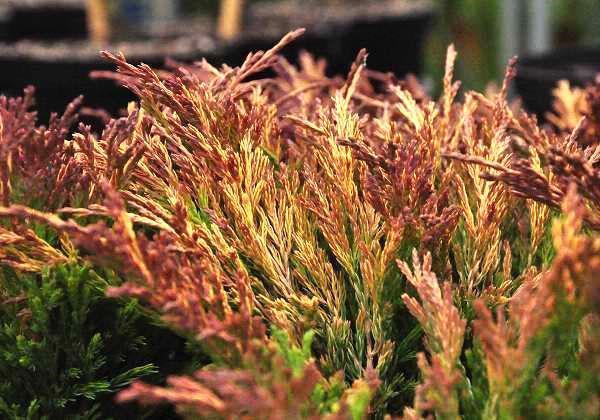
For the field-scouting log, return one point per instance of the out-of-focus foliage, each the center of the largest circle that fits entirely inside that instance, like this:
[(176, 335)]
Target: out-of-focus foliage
[(335, 247), (474, 27), (575, 21)]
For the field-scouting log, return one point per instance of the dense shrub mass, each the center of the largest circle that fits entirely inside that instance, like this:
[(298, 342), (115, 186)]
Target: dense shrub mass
[(325, 247)]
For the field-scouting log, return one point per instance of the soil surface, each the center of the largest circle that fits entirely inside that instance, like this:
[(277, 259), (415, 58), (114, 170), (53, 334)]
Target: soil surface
[(286, 15)]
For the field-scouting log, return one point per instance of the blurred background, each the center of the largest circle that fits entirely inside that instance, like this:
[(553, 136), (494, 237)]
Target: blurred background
[(54, 44), (488, 32)]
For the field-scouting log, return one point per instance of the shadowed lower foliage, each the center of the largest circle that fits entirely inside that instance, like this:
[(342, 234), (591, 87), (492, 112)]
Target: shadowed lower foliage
[(327, 247)]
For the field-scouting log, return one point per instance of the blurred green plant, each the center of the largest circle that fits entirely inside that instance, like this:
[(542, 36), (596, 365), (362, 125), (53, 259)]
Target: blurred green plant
[(473, 26)]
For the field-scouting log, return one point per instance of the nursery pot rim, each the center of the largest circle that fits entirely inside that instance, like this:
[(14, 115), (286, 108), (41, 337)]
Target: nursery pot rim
[(550, 66)]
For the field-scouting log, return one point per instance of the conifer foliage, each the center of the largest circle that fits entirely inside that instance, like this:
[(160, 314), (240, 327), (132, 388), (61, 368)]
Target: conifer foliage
[(336, 248)]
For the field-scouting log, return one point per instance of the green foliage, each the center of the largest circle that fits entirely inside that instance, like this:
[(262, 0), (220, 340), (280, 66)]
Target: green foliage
[(329, 394), (295, 357), (64, 348)]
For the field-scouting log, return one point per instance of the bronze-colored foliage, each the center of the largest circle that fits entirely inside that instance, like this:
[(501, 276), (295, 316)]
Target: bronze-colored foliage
[(239, 208)]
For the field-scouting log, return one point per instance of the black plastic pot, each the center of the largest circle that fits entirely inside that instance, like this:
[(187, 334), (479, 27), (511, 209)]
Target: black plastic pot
[(46, 20), (538, 75), (392, 31), (60, 71), (45, 43)]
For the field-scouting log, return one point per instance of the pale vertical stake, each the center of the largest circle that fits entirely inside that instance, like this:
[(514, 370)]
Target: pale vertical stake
[(98, 21), (510, 31), (230, 18), (539, 32)]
